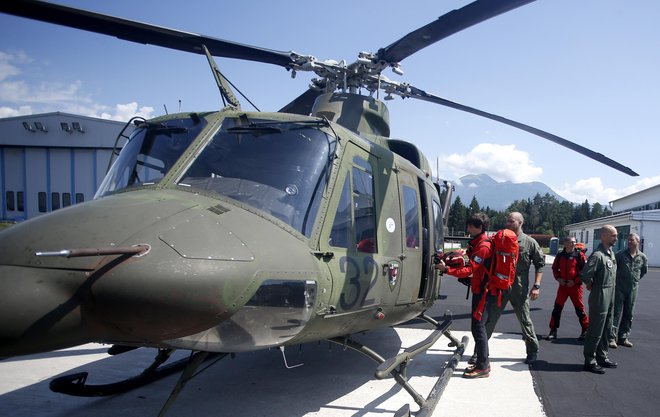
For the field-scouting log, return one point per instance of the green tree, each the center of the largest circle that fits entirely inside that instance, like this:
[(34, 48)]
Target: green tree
[(457, 218), (597, 211), (582, 213), (474, 206)]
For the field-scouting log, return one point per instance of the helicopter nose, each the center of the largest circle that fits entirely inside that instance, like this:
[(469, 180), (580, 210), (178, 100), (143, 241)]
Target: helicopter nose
[(175, 289), (39, 310)]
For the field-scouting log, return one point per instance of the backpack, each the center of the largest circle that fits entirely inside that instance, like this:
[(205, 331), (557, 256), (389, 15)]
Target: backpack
[(502, 271), (503, 263), (502, 268)]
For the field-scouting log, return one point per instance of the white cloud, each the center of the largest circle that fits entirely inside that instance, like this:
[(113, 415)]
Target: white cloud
[(593, 190), (7, 68), (124, 112), (501, 162), (11, 112), (18, 97)]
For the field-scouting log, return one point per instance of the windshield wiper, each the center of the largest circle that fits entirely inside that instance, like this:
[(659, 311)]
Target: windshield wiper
[(160, 127), (254, 128), (270, 126)]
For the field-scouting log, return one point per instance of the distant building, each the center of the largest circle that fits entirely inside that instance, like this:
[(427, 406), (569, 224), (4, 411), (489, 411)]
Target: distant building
[(636, 213), (52, 160)]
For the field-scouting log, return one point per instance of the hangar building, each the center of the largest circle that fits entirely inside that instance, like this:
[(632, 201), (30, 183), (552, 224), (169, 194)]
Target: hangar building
[(635, 213), (52, 160)]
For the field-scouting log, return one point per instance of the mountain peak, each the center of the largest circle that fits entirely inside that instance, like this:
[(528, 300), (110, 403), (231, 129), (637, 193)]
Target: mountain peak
[(498, 195)]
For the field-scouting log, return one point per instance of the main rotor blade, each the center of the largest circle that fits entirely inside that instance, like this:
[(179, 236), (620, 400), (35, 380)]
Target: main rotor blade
[(422, 95), (144, 33), (445, 26)]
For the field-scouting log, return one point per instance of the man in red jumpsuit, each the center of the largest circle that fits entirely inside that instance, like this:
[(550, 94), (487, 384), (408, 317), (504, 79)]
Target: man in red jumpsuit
[(479, 251), (566, 269)]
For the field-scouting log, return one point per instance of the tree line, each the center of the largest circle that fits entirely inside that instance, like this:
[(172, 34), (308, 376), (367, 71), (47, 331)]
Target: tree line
[(543, 214)]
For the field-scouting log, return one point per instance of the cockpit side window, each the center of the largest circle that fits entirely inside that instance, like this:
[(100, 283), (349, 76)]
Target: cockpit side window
[(150, 153), (357, 226)]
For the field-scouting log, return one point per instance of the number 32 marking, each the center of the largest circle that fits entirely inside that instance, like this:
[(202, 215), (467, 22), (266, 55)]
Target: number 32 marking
[(353, 293)]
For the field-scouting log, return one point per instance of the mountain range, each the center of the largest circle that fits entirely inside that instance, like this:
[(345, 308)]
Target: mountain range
[(497, 195)]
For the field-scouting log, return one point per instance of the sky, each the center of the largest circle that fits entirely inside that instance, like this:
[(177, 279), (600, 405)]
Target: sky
[(585, 70)]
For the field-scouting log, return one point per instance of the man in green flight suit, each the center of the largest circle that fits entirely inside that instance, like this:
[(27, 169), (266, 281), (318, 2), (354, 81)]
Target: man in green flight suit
[(529, 252), (631, 266), (599, 275)]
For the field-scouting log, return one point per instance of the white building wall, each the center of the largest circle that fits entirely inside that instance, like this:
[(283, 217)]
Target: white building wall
[(50, 167), (36, 163), (84, 173), (13, 179), (638, 199), (59, 167), (651, 236), (645, 223)]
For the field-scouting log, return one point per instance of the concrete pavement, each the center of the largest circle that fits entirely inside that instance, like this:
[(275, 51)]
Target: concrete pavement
[(331, 383)]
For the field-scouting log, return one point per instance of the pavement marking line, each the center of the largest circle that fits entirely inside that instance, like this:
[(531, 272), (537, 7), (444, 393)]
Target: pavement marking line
[(508, 391)]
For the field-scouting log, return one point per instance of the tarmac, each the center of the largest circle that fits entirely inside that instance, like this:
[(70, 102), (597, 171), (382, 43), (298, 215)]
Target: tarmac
[(332, 381)]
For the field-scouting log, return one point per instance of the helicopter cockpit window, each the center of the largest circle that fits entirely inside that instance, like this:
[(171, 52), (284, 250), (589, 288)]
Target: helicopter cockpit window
[(277, 167), (411, 218), (365, 208), (437, 226), (150, 153), (341, 227), (357, 194)]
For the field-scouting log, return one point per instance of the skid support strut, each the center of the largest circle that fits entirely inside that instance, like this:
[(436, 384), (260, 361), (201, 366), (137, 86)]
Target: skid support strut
[(397, 365)]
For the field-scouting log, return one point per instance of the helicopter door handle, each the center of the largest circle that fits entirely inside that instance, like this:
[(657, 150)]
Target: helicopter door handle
[(402, 256)]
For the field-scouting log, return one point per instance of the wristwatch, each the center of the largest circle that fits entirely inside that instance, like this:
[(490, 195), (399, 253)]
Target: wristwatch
[(536, 286)]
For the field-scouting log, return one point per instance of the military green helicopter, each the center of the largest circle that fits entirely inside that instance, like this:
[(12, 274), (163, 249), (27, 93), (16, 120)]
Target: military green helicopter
[(231, 231)]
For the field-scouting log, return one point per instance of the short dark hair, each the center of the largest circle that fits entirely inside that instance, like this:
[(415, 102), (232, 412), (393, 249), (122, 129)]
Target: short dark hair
[(479, 220)]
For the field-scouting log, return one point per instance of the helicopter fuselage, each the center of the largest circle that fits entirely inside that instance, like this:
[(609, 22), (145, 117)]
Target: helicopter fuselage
[(260, 230)]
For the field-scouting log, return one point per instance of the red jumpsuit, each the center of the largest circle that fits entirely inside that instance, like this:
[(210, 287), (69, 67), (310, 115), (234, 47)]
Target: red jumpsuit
[(566, 269), (478, 252)]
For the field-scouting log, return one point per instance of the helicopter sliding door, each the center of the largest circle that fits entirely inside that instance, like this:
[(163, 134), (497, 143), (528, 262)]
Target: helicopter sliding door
[(356, 235), (413, 240)]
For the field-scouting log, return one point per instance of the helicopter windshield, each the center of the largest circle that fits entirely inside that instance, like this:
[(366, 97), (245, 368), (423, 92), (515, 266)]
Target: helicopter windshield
[(277, 167), (150, 153)]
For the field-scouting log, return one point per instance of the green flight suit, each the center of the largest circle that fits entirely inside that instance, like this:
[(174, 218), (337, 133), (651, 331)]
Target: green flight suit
[(600, 272), (529, 252), (629, 270)]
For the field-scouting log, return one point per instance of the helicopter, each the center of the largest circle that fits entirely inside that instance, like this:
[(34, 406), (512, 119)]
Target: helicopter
[(229, 231)]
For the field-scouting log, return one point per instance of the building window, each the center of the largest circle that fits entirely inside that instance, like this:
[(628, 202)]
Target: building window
[(80, 197), (586, 239), (55, 201), (43, 207), (66, 199), (9, 196), (20, 200)]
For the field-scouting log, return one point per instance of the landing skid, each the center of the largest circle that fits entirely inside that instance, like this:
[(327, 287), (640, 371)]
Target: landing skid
[(76, 384), (397, 365)]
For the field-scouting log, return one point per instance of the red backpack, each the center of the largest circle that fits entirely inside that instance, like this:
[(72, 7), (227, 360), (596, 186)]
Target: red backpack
[(502, 269), (503, 263)]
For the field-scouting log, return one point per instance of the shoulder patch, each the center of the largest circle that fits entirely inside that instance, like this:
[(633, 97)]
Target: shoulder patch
[(478, 259)]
